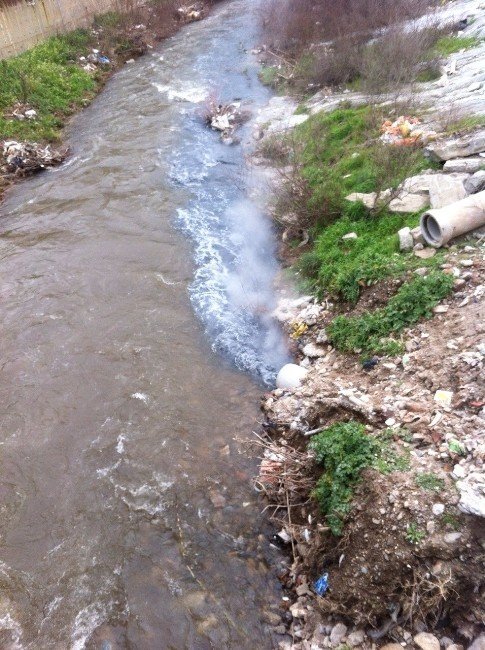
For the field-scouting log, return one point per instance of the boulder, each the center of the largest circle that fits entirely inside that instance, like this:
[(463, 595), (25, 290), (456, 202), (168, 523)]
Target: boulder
[(468, 165), (369, 200), (290, 376), (475, 183), (427, 641), (406, 241), (479, 643), (409, 203), (445, 189), (468, 145), (337, 634), (418, 184)]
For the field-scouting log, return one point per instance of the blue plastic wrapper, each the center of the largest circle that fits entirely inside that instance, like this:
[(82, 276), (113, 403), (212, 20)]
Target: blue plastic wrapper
[(321, 585), (103, 59)]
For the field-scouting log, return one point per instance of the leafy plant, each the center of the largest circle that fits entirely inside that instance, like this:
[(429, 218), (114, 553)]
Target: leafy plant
[(370, 331), (413, 534), (344, 450), (430, 482), (457, 448)]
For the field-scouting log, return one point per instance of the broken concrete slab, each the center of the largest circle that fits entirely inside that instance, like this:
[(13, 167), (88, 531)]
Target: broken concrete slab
[(409, 203), (467, 145), (469, 165), (446, 188)]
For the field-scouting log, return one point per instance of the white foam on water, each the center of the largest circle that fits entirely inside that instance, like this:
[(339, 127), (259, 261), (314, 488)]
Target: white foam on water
[(140, 396), (120, 443), (190, 94), (10, 624)]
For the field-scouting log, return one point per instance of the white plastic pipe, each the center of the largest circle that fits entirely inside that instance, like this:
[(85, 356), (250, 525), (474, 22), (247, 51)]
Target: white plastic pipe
[(442, 224)]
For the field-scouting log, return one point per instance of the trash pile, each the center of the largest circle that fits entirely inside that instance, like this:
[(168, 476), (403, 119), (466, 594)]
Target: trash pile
[(21, 112), (225, 118), (24, 158), (405, 131), (90, 62)]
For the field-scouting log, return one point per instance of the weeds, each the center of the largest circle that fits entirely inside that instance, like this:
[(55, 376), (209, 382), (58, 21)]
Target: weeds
[(413, 534), (344, 450), (447, 45), (430, 482), (370, 332)]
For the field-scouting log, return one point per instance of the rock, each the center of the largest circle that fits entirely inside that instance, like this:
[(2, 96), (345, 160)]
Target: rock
[(452, 538), (425, 253), (369, 200), (356, 638), (445, 189), (130, 61), (479, 643), (418, 184), (409, 203), (459, 472), (314, 351), (440, 309), (427, 641), (468, 165), (391, 646), (322, 336), (445, 642), (454, 646), (466, 263), (272, 618), (467, 145), (474, 87), (406, 241), (290, 376), (417, 235), (472, 497), (337, 634), (438, 509), (350, 235), (475, 183)]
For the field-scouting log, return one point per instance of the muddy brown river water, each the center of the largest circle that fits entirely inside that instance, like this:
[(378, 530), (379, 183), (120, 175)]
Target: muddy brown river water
[(133, 354)]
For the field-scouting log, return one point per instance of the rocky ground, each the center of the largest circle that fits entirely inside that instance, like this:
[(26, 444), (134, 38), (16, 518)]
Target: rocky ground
[(407, 570)]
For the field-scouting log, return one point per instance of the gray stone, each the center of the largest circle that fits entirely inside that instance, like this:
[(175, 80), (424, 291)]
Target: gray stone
[(356, 638), (322, 336), (418, 184), (427, 641), (479, 643), (445, 189), (272, 618), (452, 538), (369, 200), (425, 253), (350, 235), (475, 183), (337, 635), (467, 165), (438, 509), (406, 241), (409, 203), (467, 145), (314, 351)]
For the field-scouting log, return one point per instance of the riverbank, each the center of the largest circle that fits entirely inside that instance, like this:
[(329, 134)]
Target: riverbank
[(44, 87), (373, 449)]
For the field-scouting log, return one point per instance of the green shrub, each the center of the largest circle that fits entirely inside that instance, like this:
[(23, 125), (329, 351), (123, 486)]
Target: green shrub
[(447, 45), (369, 331), (344, 450)]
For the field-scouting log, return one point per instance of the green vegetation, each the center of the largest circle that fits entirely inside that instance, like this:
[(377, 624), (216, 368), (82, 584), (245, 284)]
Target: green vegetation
[(456, 448), (390, 460), (344, 449), (370, 331), (414, 535), (467, 123), (268, 75), (336, 154), (48, 79), (430, 482), (447, 45)]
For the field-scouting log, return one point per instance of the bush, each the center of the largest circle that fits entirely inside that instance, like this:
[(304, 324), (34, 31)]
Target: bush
[(344, 450), (369, 331)]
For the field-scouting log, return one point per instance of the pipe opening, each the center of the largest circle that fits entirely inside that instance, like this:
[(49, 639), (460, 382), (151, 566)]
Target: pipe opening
[(431, 229)]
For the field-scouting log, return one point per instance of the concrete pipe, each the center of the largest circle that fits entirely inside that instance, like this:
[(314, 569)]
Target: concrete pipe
[(442, 224)]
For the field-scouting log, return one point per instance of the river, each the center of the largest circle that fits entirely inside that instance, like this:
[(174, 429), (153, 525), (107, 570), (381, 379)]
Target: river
[(136, 280)]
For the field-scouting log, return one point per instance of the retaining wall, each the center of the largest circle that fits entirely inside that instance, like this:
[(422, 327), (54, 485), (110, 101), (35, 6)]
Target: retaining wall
[(23, 23)]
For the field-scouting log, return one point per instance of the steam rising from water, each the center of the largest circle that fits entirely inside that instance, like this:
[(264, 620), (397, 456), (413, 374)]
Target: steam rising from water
[(232, 292)]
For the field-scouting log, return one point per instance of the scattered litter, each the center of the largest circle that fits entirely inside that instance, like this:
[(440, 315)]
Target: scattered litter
[(405, 131), (23, 158), (443, 398), (321, 585)]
